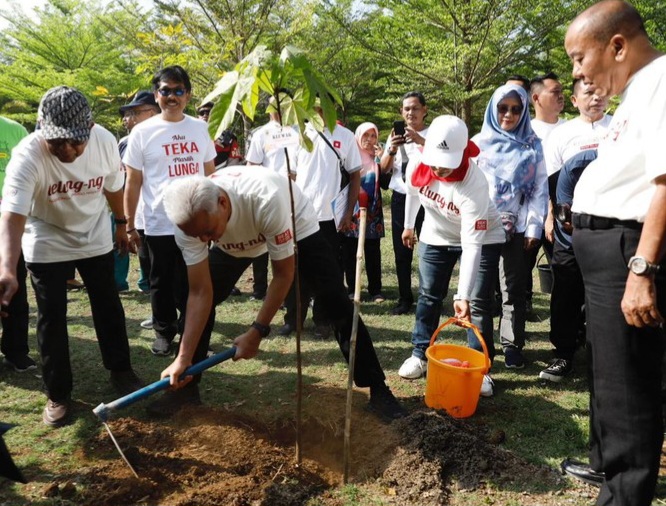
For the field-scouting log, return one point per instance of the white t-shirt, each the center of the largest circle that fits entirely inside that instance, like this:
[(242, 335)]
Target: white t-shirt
[(411, 150), (571, 138), (267, 147), (317, 172), (163, 151), (66, 209), (543, 129), (457, 213), (618, 184), (260, 216)]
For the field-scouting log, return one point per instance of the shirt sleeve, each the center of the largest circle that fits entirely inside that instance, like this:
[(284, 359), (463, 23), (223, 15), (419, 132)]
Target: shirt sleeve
[(134, 152), (412, 201), (255, 154), (194, 250), (116, 178), (20, 184), (352, 159), (274, 219)]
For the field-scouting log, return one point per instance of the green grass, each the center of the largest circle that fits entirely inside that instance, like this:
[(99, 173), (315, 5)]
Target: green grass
[(544, 423)]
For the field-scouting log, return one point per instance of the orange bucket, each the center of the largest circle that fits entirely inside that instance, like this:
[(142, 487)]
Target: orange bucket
[(455, 389)]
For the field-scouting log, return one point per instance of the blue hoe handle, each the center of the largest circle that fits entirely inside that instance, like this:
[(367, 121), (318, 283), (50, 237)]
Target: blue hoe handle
[(102, 411)]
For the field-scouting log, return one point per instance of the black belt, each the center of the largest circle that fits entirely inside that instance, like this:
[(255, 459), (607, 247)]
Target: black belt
[(600, 223)]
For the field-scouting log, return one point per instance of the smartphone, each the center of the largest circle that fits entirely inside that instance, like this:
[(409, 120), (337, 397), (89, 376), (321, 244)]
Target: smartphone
[(399, 128)]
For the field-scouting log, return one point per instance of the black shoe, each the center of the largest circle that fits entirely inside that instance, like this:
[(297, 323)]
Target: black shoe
[(401, 308), (556, 370), (513, 359), (383, 403), (161, 347), (582, 471), (55, 413), (322, 331), (20, 363), (258, 296), (173, 401), (285, 330), (530, 315), (235, 291), (126, 382)]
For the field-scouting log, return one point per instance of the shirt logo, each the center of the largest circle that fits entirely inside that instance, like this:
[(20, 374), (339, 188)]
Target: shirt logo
[(337, 144), (283, 237), (481, 225)]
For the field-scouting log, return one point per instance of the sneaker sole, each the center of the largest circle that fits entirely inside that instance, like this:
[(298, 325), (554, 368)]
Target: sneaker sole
[(550, 377), (522, 366), (161, 353), (413, 377), (11, 366)]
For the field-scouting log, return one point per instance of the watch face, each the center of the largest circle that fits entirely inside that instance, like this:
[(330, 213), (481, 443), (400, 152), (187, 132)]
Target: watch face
[(639, 265)]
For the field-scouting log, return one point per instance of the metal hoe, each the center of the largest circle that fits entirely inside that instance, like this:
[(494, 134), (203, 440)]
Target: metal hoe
[(103, 410)]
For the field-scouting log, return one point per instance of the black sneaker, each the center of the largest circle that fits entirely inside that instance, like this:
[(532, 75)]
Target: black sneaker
[(235, 291), (582, 471), (173, 401), (126, 382), (513, 359), (258, 296), (556, 370), (383, 403), (20, 363), (322, 331)]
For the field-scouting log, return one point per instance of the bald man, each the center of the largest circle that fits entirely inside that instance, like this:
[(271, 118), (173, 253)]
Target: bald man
[(619, 221)]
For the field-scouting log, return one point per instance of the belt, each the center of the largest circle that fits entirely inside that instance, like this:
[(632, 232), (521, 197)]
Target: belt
[(600, 223)]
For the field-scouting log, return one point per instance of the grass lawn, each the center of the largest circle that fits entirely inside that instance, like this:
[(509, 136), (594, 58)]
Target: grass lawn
[(542, 422)]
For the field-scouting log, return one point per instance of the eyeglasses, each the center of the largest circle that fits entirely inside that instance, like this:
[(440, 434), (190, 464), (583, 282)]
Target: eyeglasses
[(136, 112), (165, 92), (515, 109), (204, 112)]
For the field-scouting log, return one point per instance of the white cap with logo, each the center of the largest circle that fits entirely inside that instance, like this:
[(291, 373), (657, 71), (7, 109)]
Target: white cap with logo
[(445, 143)]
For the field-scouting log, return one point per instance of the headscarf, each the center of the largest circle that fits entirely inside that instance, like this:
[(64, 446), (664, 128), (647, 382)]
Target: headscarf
[(367, 159), (510, 157)]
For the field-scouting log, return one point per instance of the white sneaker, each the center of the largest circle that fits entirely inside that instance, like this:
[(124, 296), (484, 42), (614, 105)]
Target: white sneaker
[(487, 387), (413, 368), (147, 324)]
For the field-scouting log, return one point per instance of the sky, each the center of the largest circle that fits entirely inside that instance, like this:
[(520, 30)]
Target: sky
[(29, 5)]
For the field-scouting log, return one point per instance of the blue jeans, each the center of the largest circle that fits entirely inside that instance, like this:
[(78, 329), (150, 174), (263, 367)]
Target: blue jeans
[(435, 268), (482, 298)]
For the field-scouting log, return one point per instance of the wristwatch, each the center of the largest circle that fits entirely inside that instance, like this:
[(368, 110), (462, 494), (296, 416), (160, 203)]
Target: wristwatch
[(264, 330), (641, 267)]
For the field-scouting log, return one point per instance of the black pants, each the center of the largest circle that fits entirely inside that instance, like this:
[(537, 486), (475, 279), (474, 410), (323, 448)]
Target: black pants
[(626, 429), (373, 263), (331, 235), (318, 268), (403, 255), (144, 261), (260, 275), (531, 256), (14, 342), (50, 284), (168, 285), (566, 302)]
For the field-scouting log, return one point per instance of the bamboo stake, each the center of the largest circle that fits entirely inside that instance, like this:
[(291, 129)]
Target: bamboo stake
[(362, 198)]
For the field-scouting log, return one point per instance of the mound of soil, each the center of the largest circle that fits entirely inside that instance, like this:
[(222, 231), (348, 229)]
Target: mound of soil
[(211, 457)]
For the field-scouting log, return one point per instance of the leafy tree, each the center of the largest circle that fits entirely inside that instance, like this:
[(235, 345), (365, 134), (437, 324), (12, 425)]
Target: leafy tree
[(67, 42)]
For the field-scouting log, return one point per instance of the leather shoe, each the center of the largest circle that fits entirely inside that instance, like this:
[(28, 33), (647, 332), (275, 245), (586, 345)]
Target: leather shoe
[(126, 382), (285, 330), (55, 413), (582, 471), (401, 308)]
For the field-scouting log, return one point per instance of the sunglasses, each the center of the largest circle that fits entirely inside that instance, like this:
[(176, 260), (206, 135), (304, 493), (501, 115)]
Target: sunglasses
[(178, 92), (515, 109)]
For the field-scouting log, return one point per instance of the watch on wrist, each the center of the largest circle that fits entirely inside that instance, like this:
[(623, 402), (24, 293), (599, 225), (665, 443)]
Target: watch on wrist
[(264, 330), (120, 221), (641, 267), (392, 153)]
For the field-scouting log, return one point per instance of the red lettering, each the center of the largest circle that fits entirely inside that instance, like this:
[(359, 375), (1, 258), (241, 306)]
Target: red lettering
[(481, 225)]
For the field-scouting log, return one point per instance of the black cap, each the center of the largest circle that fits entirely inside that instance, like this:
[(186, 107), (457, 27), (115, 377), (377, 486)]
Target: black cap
[(205, 107), (142, 97)]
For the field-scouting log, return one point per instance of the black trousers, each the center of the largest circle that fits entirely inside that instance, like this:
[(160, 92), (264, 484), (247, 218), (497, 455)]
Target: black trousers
[(403, 256), (566, 302), (50, 284), (168, 285), (318, 268), (626, 428), (260, 275), (373, 263), (331, 235), (14, 342)]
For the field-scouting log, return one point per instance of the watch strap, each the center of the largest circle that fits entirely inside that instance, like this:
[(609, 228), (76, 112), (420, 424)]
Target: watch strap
[(263, 330)]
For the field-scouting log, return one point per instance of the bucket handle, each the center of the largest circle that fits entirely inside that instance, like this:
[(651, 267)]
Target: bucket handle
[(466, 325)]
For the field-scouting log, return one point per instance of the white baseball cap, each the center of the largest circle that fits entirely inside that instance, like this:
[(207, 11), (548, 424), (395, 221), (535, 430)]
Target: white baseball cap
[(445, 142)]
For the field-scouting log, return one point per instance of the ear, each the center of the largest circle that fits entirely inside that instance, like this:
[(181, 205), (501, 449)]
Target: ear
[(618, 44)]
